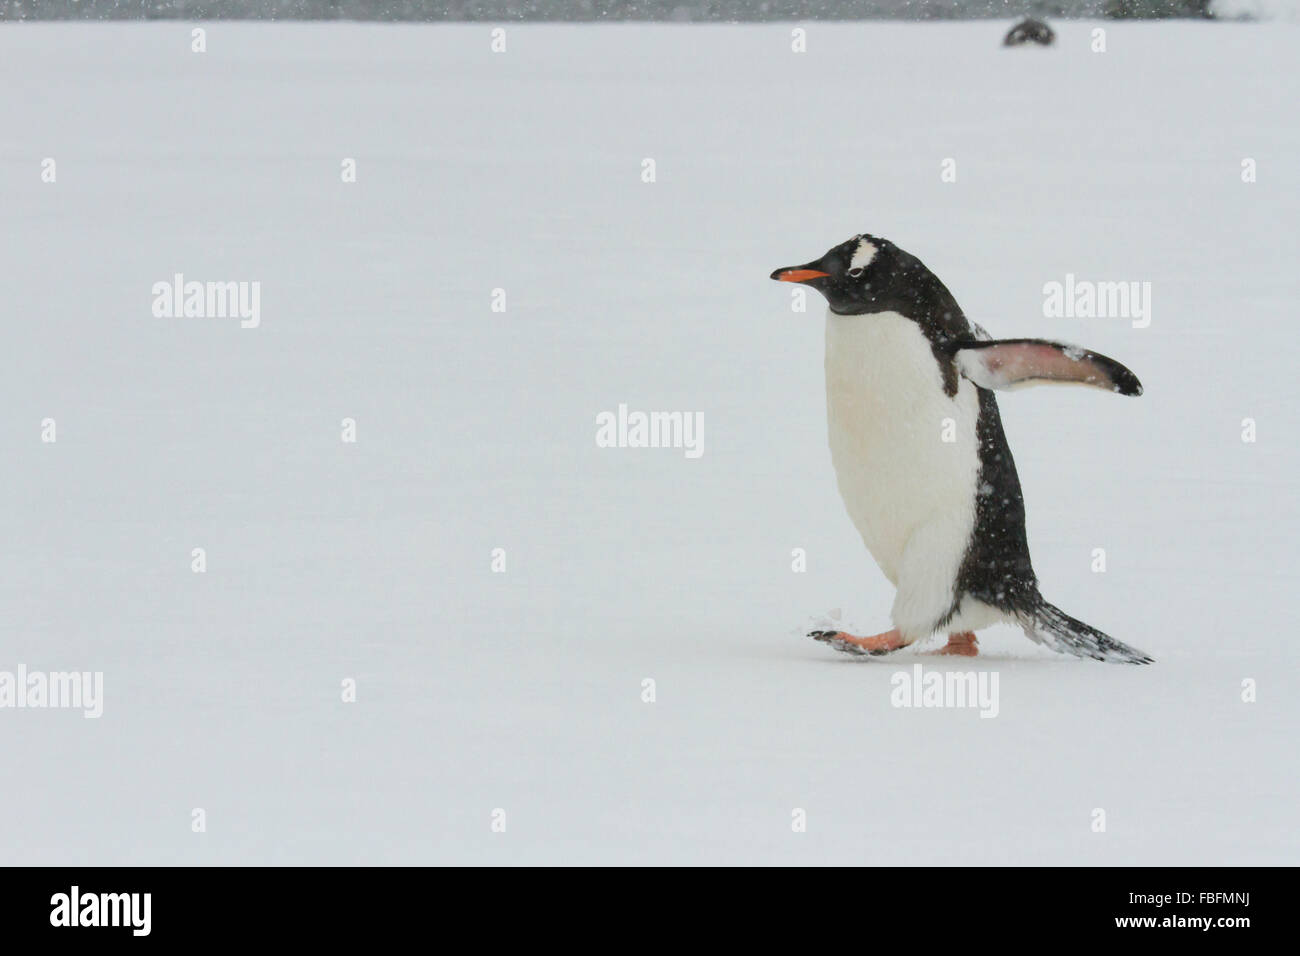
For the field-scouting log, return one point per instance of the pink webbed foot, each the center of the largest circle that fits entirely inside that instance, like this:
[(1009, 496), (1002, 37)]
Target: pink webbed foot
[(961, 645), (846, 643)]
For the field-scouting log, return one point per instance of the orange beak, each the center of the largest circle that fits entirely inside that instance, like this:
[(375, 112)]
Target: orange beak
[(798, 275)]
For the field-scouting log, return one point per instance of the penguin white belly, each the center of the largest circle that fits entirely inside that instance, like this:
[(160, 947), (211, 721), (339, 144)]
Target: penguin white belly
[(906, 458)]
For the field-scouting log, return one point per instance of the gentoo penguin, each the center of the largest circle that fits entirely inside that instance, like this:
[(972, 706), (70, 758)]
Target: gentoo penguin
[(1029, 30), (920, 457)]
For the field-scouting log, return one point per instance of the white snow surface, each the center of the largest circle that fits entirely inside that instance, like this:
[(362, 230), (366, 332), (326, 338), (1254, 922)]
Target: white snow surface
[(523, 690)]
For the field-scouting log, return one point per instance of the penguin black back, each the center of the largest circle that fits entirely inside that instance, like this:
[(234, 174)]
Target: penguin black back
[(1029, 30)]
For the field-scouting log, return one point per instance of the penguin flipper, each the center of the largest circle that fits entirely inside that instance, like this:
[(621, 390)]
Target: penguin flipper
[(1012, 363)]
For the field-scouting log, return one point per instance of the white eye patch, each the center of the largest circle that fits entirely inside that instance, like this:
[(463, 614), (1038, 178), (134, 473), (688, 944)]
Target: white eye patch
[(863, 255)]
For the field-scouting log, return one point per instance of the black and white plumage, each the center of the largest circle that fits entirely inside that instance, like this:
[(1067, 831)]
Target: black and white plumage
[(944, 519)]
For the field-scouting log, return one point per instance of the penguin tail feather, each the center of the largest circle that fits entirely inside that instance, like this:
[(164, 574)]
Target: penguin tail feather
[(1048, 625)]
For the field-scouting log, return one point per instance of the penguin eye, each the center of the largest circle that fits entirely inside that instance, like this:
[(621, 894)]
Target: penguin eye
[(856, 272)]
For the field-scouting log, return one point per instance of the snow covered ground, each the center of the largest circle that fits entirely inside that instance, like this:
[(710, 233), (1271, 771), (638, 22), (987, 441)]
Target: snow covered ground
[(522, 691)]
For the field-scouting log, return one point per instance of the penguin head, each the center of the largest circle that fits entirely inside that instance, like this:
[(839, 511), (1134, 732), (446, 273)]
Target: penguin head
[(861, 275)]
